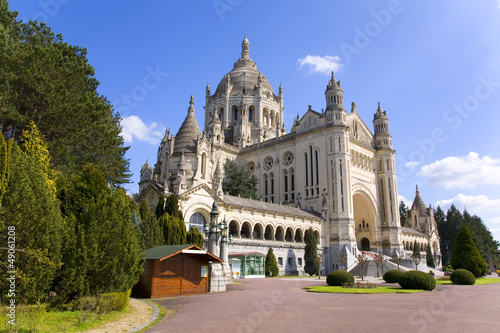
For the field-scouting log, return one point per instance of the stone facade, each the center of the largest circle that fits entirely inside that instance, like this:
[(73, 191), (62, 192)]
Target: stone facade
[(330, 173)]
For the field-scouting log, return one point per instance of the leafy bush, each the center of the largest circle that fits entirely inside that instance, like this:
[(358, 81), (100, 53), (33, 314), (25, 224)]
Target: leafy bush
[(392, 276), (115, 301), (462, 276), (338, 278), (417, 280)]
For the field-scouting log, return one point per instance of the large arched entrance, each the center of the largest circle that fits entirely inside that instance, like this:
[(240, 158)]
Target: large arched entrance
[(365, 219)]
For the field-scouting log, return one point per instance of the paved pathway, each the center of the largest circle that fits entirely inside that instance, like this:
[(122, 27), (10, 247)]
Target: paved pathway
[(281, 305)]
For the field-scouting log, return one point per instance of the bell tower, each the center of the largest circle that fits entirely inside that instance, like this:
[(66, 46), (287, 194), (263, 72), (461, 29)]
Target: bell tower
[(386, 182)]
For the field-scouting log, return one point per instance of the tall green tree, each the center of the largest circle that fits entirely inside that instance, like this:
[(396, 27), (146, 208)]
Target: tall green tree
[(150, 233), (104, 233), (416, 256), (311, 253), (430, 257), (174, 229), (271, 264), (448, 229), (47, 81), (465, 254), (194, 236), (238, 181), (402, 213), (31, 208)]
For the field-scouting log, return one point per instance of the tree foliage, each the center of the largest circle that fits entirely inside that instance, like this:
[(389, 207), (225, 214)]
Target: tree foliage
[(449, 225), (102, 236), (194, 236), (4, 167), (32, 209), (173, 229), (238, 181), (465, 254), (49, 82), (311, 253), (271, 264), (402, 214)]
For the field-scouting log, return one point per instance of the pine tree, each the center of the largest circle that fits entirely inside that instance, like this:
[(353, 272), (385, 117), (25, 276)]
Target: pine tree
[(311, 253), (430, 257), (104, 235), (47, 81), (194, 236), (174, 229), (30, 206), (465, 254), (144, 210), (271, 264), (402, 213), (150, 233), (416, 257)]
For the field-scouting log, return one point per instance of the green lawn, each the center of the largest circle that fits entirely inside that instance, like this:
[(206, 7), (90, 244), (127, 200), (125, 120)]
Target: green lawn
[(479, 281), (60, 321), (377, 290)]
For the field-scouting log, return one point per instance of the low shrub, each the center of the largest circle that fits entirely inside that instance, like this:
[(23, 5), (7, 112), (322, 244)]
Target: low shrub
[(417, 280), (462, 276), (392, 276), (338, 278), (115, 301)]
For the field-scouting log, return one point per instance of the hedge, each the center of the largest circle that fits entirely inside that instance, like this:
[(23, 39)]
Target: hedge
[(417, 280), (338, 278), (392, 276), (462, 276)]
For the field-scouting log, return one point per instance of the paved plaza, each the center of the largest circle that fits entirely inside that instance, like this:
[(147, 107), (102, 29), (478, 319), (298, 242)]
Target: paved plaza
[(282, 305)]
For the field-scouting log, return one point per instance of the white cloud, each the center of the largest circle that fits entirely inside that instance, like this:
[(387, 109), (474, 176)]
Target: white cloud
[(323, 65), (411, 165), (462, 172), (134, 127)]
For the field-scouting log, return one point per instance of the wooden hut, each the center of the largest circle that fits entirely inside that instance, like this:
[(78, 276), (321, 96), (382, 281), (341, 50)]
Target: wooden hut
[(171, 270)]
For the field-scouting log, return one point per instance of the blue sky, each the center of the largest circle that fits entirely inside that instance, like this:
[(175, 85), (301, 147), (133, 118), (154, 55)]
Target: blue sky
[(433, 65)]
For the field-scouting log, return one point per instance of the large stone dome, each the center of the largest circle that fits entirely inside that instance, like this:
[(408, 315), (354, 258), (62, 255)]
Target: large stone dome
[(185, 140), (244, 75)]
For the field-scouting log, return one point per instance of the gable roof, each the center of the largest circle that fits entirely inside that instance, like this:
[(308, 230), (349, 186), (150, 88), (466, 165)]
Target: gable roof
[(163, 252)]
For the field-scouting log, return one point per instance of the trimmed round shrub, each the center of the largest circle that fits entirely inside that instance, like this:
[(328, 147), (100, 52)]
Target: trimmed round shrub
[(417, 280), (337, 278), (392, 276), (462, 276)]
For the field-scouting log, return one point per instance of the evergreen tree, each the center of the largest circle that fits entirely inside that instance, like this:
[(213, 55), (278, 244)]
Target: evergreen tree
[(402, 213), (430, 257), (104, 235), (271, 264), (30, 206), (47, 81), (448, 229), (311, 253), (172, 206), (194, 236), (144, 210), (150, 232), (174, 230), (465, 254), (238, 181)]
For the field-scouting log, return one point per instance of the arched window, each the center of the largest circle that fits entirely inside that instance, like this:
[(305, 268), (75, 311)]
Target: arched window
[(250, 114), (298, 235), (285, 183), (245, 230), (279, 234), (235, 112), (271, 179), (269, 233), (197, 221), (257, 231), (292, 183), (233, 229), (289, 235), (266, 188)]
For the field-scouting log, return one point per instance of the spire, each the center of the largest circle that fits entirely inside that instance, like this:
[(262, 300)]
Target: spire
[(191, 105), (245, 48)]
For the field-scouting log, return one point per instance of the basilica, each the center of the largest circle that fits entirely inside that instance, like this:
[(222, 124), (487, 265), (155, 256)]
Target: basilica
[(330, 175)]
